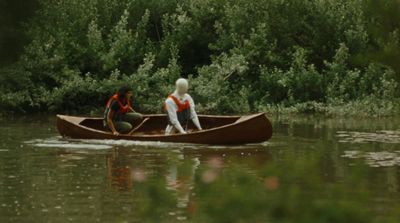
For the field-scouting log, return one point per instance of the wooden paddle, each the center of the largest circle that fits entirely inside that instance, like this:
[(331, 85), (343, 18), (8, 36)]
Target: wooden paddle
[(138, 126)]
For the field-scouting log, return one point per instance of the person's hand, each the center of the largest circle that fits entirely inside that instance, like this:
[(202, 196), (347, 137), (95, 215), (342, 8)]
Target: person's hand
[(129, 96), (116, 133)]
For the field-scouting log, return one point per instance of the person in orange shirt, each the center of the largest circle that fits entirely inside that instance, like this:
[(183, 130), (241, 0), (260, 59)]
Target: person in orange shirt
[(119, 115)]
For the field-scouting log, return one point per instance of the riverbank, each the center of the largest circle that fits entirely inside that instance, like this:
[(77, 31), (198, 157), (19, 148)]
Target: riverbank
[(356, 109), (359, 108)]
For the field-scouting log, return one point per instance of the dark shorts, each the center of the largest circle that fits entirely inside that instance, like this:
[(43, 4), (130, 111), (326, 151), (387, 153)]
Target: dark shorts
[(125, 122)]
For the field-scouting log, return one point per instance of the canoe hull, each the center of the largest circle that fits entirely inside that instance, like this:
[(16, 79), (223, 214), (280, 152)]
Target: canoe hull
[(247, 129)]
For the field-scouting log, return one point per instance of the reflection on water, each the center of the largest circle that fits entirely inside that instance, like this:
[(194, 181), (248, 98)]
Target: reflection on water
[(45, 178)]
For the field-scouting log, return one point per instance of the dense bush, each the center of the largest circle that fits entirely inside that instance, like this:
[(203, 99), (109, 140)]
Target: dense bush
[(240, 55)]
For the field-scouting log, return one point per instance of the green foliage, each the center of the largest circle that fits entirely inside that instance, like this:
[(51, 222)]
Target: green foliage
[(214, 90), (346, 84), (155, 85), (88, 91), (383, 25), (288, 86), (341, 81), (241, 56), (12, 36)]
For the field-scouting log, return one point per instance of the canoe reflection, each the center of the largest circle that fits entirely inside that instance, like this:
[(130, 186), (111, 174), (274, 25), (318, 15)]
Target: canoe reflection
[(178, 171), (178, 167)]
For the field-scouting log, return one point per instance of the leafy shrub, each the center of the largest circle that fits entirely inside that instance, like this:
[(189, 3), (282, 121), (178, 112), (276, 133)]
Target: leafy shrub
[(213, 89), (240, 55)]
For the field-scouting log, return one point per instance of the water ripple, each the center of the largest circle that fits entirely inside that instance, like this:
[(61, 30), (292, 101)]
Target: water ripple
[(59, 142)]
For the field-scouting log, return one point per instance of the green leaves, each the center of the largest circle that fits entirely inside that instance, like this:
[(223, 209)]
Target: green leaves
[(240, 55), (215, 88)]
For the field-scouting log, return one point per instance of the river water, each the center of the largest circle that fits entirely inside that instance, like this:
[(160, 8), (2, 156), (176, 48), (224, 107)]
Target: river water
[(312, 168)]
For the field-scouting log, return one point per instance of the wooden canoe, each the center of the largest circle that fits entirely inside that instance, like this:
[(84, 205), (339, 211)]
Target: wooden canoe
[(217, 129)]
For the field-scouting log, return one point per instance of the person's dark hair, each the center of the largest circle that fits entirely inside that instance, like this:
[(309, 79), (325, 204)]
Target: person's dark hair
[(123, 90)]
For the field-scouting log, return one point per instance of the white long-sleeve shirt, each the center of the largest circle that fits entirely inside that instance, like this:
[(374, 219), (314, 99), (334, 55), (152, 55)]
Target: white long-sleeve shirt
[(172, 109)]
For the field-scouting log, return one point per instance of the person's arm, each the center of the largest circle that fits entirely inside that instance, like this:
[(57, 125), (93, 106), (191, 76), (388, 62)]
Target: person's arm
[(193, 114), (110, 122), (130, 105), (173, 118)]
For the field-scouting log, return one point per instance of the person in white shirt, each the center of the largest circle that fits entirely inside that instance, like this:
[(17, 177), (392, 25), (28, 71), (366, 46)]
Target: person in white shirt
[(180, 109)]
